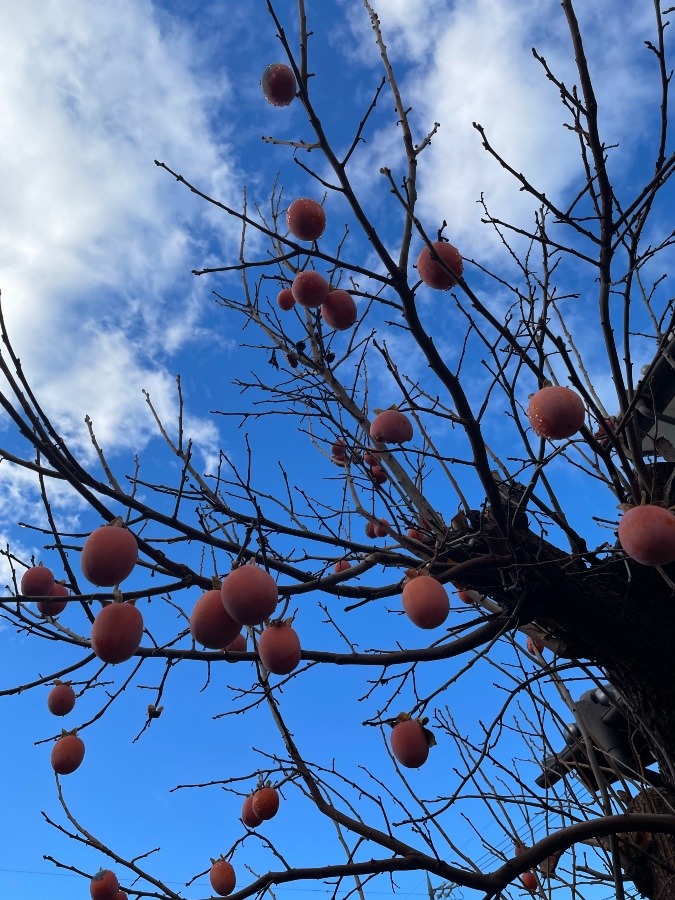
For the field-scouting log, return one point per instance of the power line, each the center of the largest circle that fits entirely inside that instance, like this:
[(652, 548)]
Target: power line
[(280, 889)]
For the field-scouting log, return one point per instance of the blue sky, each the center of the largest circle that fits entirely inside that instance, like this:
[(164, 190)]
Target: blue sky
[(96, 249)]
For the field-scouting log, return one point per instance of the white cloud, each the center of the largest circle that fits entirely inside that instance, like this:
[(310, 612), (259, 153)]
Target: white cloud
[(470, 61), (410, 27), (21, 502), (96, 243), (464, 61)]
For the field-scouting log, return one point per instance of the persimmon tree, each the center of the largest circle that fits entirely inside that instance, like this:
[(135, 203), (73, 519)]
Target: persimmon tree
[(430, 525)]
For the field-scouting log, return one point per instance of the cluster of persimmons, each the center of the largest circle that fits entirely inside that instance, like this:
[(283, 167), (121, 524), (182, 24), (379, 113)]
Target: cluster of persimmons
[(248, 596)]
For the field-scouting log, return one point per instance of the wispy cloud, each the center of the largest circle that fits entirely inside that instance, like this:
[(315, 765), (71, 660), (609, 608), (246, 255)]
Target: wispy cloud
[(464, 62), (96, 244)]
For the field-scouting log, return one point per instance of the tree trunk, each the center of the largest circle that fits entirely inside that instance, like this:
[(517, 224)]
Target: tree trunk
[(649, 859), (618, 615)]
